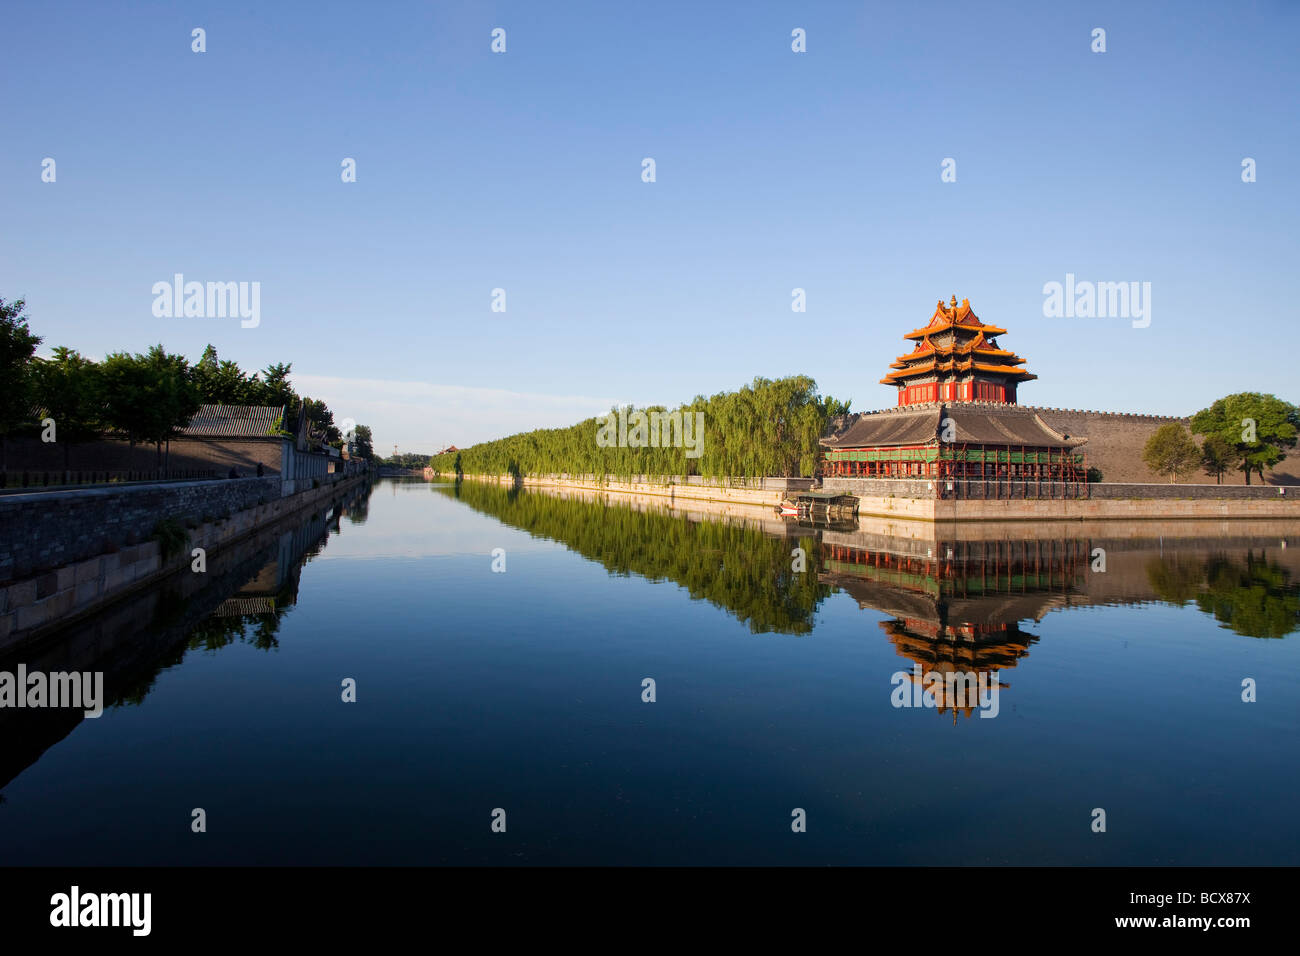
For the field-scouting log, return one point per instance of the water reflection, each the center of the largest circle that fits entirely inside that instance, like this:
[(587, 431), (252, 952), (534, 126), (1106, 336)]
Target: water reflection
[(525, 689), (947, 593), (1253, 595), (951, 604), (244, 595), (735, 565)]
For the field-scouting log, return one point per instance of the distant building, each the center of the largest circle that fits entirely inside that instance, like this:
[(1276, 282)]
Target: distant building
[(957, 420)]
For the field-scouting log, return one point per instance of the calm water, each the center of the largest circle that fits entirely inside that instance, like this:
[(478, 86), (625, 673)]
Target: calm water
[(523, 691)]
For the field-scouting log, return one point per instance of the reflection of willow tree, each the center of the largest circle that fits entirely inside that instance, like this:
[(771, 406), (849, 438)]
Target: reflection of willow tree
[(741, 570), (1254, 597)]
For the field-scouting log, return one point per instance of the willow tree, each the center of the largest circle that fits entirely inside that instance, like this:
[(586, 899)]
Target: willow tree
[(766, 428)]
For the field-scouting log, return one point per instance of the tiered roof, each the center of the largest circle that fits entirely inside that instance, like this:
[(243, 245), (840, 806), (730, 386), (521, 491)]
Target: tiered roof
[(965, 344), (991, 423)]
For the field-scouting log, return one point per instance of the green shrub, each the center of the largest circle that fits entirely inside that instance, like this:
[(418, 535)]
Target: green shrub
[(171, 537)]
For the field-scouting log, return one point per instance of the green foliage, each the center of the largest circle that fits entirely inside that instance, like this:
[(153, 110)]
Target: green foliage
[(215, 632), (67, 389), (363, 442), (1251, 595), (1256, 599), (1095, 476), (150, 396), (320, 420), (1171, 451), (406, 460), (275, 389), (740, 569), (225, 383), (1217, 457), (1259, 428), (17, 346), (171, 537), (1176, 579), (766, 428)]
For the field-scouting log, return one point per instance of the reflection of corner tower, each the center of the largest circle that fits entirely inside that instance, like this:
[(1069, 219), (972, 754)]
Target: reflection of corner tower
[(957, 607)]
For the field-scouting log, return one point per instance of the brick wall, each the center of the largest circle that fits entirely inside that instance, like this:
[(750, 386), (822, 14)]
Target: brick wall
[(40, 532), (46, 601), (1116, 441)]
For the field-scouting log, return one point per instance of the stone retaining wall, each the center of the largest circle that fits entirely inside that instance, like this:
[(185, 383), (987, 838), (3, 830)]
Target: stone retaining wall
[(766, 492), (914, 499), (29, 606), (1192, 491), (41, 531), (1016, 509)]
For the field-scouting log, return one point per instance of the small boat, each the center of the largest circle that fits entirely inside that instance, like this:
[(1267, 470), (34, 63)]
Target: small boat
[(819, 506)]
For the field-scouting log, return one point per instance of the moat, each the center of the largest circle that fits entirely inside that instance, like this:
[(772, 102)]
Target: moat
[(499, 640)]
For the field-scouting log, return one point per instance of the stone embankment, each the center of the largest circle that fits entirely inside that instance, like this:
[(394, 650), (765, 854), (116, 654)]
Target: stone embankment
[(916, 499), (105, 544)]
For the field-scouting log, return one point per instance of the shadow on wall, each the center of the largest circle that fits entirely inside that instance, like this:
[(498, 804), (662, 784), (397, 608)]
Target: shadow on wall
[(32, 454)]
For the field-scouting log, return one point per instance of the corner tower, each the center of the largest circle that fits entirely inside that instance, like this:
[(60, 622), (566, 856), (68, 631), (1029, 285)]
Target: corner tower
[(956, 359)]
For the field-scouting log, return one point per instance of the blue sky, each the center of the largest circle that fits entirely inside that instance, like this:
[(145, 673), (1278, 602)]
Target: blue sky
[(775, 170)]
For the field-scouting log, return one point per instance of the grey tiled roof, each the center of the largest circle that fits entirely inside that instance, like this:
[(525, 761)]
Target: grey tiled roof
[(975, 422), (233, 421)]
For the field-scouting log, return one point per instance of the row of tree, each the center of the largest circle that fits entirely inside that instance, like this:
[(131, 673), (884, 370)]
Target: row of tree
[(407, 459), (148, 396), (767, 428), (1247, 432)]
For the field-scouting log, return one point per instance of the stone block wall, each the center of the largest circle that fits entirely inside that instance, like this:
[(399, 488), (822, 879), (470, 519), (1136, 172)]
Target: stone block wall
[(44, 531), (1198, 492), (1116, 441), (37, 604)]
